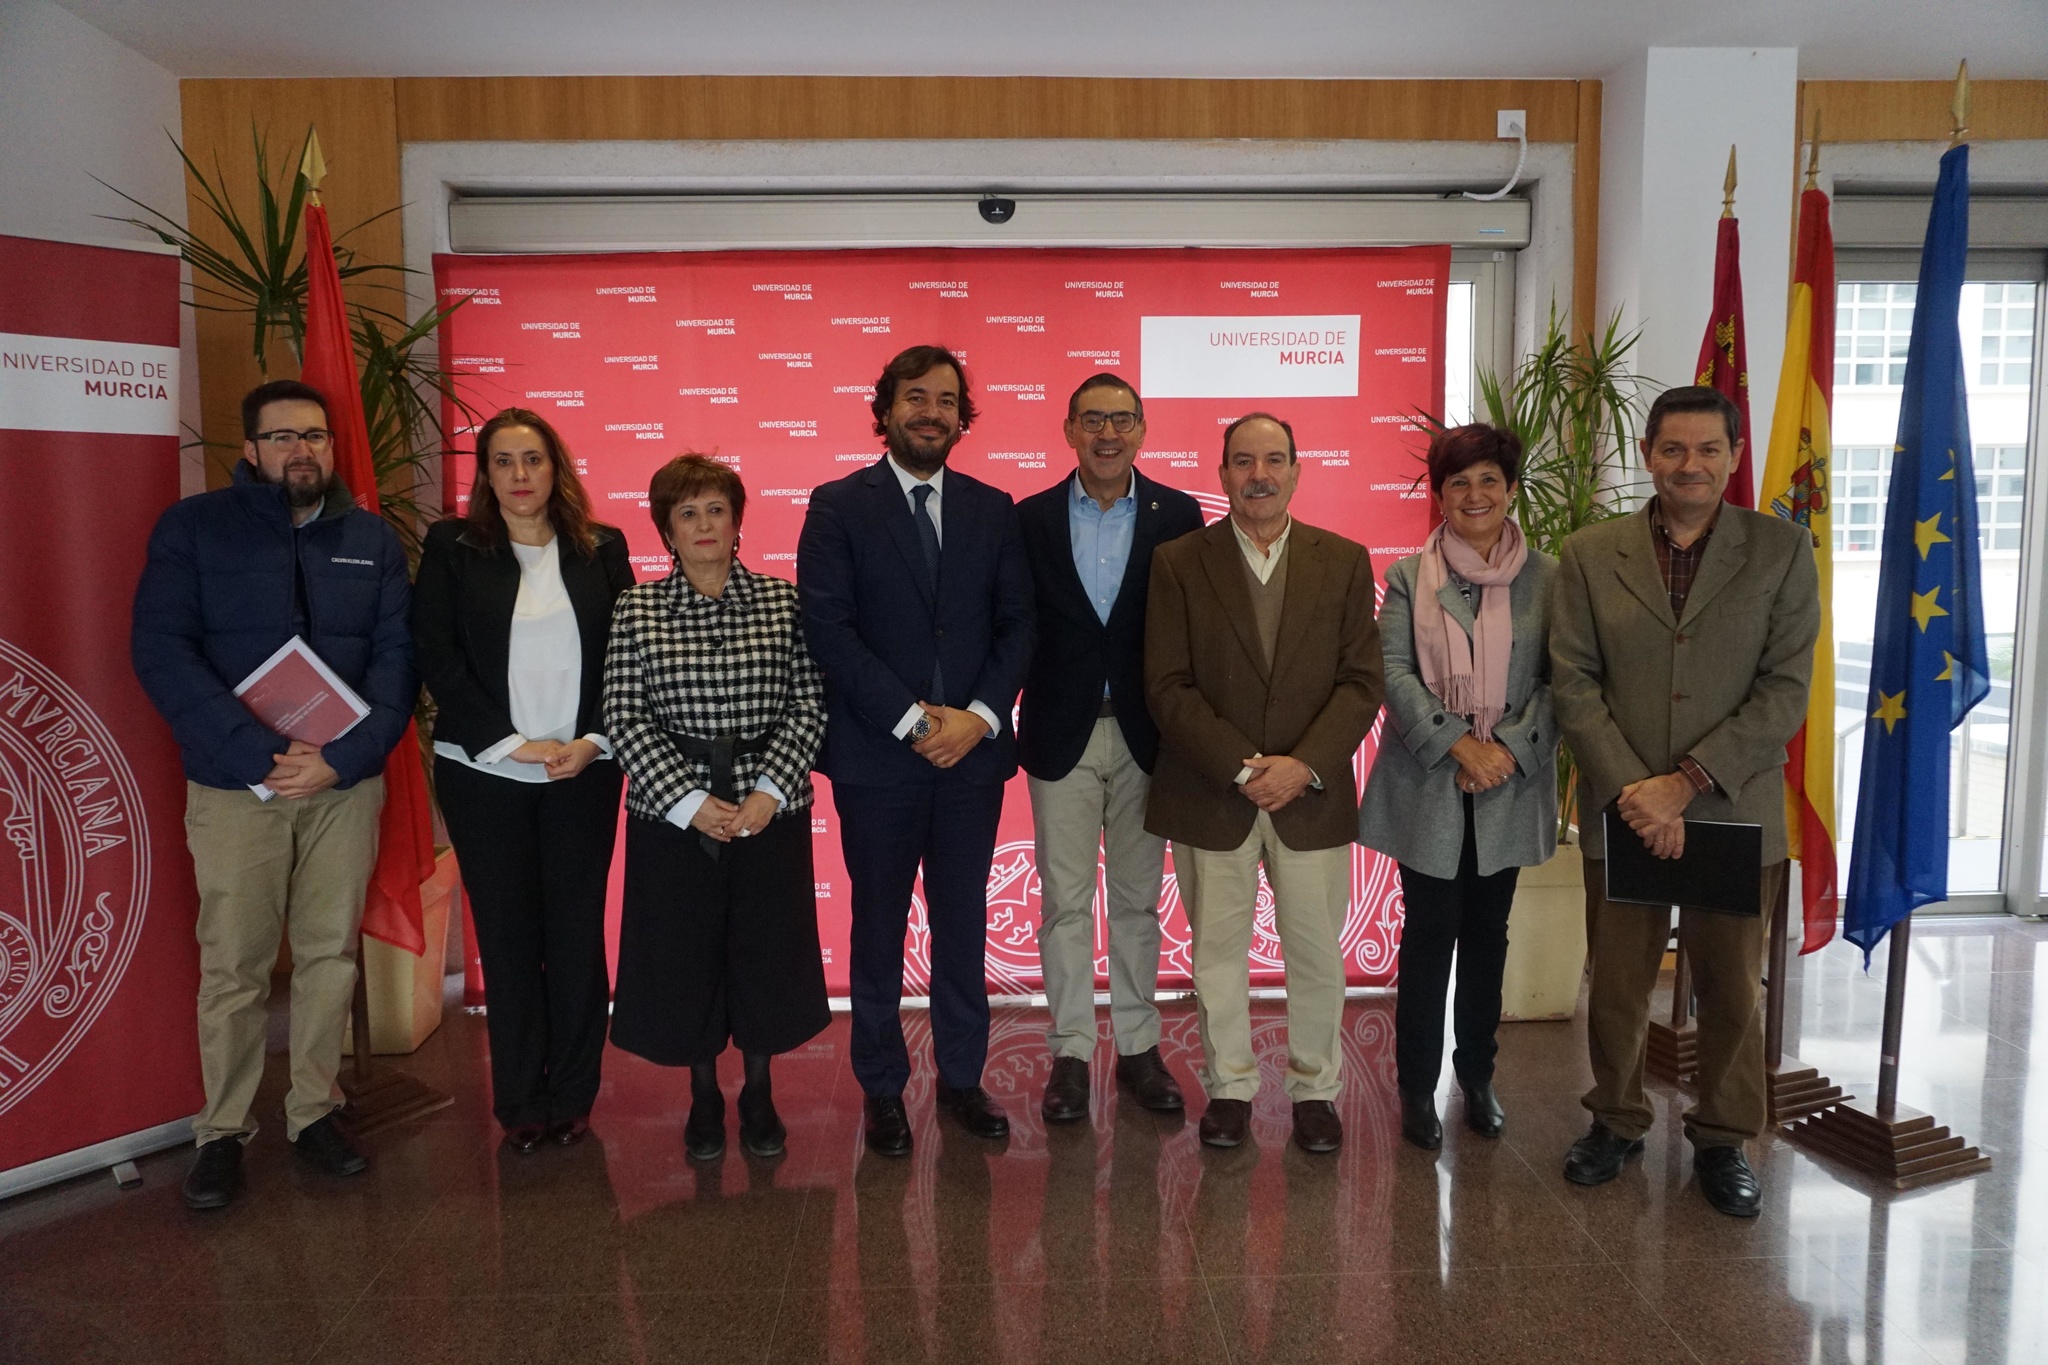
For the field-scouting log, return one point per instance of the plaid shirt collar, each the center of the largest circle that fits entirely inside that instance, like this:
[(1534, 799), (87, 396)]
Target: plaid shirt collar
[(1679, 566), (739, 590)]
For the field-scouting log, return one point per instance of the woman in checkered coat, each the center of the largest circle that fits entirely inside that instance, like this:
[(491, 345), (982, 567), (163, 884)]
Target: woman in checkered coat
[(714, 706)]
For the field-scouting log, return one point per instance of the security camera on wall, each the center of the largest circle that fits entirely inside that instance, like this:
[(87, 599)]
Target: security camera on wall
[(995, 209)]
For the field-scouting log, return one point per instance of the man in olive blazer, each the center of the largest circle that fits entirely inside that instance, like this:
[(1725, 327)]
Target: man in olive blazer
[(1262, 665), (1682, 644)]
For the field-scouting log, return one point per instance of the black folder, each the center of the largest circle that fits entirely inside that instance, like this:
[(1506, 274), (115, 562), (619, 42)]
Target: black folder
[(1721, 868)]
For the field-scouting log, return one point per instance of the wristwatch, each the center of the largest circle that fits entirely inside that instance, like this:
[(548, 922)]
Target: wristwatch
[(920, 730)]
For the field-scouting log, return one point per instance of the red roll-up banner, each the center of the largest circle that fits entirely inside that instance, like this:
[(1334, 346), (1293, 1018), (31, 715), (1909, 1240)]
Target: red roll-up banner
[(770, 359), (98, 964)]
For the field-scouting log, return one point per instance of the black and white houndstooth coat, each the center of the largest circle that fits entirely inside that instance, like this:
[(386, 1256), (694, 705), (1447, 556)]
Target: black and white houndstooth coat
[(681, 663)]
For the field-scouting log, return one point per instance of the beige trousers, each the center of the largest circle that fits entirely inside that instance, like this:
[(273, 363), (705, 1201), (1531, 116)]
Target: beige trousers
[(265, 869), (1311, 894), (1098, 807)]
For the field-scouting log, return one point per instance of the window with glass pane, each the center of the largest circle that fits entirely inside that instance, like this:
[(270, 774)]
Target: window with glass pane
[(1874, 323)]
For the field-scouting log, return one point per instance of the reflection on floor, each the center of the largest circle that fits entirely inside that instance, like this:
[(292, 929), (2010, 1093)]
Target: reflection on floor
[(1118, 1240)]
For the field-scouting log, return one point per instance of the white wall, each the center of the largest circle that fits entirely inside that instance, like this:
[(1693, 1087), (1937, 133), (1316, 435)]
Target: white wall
[(1667, 123), (75, 104)]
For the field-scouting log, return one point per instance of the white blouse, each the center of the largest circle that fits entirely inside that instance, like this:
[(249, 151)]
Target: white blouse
[(545, 674)]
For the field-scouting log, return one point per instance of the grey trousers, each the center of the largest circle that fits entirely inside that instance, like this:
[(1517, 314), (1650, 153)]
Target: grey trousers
[(266, 869), (1099, 806)]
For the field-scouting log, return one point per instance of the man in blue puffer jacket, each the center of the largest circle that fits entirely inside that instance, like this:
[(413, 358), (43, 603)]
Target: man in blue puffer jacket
[(232, 575)]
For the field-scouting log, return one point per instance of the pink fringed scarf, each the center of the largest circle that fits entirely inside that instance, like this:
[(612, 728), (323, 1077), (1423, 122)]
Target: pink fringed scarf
[(1469, 676)]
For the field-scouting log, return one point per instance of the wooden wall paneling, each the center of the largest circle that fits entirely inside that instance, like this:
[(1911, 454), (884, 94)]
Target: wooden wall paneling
[(1586, 212), (557, 108), (1918, 111), (358, 126)]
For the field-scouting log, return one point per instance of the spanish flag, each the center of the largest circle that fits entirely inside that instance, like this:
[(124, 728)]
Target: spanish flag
[(1795, 487), (405, 837)]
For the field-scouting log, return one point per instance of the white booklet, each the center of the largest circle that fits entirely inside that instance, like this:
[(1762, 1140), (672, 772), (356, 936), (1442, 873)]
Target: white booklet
[(295, 693)]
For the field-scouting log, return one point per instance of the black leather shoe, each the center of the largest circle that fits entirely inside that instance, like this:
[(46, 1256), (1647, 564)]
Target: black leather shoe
[(1226, 1123), (1419, 1123), (761, 1130), (1066, 1094), (704, 1130), (569, 1132), (526, 1138), (1144, 1074), (1727, 1181), (1599, 1156), (216, 1176), (979, 1114), (322, 1144), (1317, 1127), (1482, 1111), (888, 1126)]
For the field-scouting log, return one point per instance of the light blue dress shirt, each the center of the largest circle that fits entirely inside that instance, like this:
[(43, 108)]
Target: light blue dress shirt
[(1101, 541)]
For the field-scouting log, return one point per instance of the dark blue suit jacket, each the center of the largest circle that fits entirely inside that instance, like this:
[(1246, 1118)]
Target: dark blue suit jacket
[(1076, 653), (875, 630)]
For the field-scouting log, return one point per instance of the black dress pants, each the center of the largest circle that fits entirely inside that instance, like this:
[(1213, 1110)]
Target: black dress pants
[(536, 861), (1466, 916)]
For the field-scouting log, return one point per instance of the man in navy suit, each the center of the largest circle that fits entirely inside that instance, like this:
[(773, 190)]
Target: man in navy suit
[(1088, 742), (917, 607)]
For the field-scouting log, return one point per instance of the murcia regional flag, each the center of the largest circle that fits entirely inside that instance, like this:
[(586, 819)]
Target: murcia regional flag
[(1795, 487)]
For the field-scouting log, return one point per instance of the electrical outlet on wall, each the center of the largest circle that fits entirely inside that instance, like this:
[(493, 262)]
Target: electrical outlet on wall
[(1511, 123)]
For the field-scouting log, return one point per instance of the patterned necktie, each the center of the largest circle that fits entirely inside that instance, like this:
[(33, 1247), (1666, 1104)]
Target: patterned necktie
[(928, 536)]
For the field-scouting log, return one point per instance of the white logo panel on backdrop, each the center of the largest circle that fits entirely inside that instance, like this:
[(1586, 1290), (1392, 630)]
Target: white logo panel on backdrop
[(1250, 357), (116, 388), (74, 872)]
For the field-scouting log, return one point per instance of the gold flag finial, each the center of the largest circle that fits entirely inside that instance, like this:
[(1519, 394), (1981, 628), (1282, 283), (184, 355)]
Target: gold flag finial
[(1959, 111), (1728, 186), (1813, 154), (313, 167)]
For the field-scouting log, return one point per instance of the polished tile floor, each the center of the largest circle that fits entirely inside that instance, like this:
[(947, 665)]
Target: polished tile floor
[(1117, 1241)]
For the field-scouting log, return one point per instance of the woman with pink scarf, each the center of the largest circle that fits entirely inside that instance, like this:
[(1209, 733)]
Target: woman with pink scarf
[(1463, 793)]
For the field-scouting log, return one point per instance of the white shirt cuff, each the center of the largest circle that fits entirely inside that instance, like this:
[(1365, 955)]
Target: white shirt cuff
[(684, 811), (762, 784), (604, 746), (502, 749), (995, 727), (1244, 775), (909, 719)]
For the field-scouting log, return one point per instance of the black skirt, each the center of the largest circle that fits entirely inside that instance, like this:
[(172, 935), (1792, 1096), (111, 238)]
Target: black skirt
[(718, 949)]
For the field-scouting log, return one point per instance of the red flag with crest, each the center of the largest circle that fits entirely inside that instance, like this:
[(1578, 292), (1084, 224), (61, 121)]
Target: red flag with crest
[(1724, 357)]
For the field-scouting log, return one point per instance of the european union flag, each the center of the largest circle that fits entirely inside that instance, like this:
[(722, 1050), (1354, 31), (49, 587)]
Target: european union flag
[(1928, 665)]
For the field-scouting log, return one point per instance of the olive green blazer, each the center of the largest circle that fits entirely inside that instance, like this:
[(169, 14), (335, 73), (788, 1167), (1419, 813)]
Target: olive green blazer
[(1635, 688)]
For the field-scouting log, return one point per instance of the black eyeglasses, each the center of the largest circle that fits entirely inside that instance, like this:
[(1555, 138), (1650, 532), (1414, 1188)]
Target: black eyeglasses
[(1124, 422), (284, 438)]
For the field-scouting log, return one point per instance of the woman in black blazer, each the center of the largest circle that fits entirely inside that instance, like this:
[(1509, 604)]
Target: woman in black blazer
[(511, 615)]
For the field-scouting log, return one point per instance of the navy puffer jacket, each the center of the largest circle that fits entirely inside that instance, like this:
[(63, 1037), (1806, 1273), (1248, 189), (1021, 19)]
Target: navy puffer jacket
[(216, 600)]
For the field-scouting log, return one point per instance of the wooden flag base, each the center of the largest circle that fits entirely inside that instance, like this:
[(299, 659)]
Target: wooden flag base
[(1908, 1149), (386, 1098), (1673, 1054), (1795, 1090)]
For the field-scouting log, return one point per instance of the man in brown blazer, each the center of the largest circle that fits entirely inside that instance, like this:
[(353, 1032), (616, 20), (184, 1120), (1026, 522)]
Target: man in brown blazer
[(1681, 645), (1262, 665)]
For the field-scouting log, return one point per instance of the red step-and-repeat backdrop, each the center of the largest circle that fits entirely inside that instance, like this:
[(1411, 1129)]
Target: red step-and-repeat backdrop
[(770, 358)]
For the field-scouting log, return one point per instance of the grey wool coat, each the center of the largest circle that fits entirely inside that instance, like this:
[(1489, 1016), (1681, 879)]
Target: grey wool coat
[(1636, 687), (1413, 811)]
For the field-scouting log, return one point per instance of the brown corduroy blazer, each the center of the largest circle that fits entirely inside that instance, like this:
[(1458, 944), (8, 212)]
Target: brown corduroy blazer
[(1217, 702), (1635, 687)]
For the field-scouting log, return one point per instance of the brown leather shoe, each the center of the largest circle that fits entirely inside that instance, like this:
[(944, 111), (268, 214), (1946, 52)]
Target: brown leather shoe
[(1226, 1123), (1066, 1094), (1145, 1075), (1317, 1127)]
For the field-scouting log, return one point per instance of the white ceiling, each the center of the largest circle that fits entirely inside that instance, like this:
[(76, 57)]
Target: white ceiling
[(1213, 38)]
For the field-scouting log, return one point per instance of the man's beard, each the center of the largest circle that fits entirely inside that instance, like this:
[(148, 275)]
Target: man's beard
[(299, 494), (916, 459)]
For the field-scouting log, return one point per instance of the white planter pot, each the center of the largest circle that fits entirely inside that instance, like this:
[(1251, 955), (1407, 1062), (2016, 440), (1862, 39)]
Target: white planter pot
[(1546, 940)]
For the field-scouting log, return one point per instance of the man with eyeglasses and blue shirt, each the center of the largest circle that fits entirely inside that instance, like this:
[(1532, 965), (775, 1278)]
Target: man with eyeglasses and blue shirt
[(283, 834), (1087, 743)]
